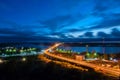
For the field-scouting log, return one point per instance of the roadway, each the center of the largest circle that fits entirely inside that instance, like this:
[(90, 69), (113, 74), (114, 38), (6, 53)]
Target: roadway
[(113, 72)]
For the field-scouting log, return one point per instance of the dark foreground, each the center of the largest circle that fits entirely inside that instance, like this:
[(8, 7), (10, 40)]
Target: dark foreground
[(36, 69)]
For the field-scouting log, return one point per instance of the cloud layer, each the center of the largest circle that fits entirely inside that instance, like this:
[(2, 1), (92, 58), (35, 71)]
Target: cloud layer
[(59, 19)]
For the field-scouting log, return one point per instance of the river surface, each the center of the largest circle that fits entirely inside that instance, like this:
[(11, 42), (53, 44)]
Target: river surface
[(97, 49)]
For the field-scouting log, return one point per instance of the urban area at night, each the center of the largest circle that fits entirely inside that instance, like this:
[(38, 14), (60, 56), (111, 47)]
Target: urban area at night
[(59, 39)]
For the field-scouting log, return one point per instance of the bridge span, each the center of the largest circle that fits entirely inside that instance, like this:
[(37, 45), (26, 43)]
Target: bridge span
[(113, 72)]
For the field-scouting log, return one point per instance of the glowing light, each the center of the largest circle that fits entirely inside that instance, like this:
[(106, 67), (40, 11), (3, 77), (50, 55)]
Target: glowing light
[(1, 61), (88, 54), (23, 59), (21, 51), (95, 54), (14, 50), (10, 50)]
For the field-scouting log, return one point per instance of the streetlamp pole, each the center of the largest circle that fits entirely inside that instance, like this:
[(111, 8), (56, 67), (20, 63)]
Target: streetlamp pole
[(87, 48), (103, 45)]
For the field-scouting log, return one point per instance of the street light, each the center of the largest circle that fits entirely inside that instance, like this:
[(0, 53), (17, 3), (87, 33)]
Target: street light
[(23, 59), (95, 54), (1, 61), (88, 55)]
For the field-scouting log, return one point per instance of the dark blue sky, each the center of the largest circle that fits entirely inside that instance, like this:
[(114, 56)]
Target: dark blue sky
[(59, 19)]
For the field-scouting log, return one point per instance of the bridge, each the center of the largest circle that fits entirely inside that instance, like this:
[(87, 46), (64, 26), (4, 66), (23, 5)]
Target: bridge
[(105, 70)]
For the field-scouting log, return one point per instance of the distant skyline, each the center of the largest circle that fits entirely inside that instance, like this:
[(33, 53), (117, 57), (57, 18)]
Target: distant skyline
[(46, 20)]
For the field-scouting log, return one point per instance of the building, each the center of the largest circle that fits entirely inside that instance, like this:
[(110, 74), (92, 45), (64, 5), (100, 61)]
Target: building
[(80, 57)]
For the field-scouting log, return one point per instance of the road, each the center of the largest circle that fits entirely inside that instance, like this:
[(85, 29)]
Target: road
[(105, 70)]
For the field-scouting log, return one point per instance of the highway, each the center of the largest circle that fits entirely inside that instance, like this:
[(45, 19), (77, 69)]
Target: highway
[(105, 70)]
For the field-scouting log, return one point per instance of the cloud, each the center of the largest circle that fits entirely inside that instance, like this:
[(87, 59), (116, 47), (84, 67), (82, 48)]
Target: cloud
[(8, 24), (17, 33), (104, 25), (59, 22), (70, 19), (88, 34), (101, 6), (55, 22), (72, 30), (103, 34), (115, 32)]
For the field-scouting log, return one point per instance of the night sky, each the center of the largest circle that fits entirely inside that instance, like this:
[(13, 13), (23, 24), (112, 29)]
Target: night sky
[(45, 20)]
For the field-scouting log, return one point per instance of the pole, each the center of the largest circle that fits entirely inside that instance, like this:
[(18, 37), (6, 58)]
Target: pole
[(103, 47), (87, 48)]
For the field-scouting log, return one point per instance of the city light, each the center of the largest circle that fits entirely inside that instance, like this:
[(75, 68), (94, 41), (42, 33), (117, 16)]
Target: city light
[(23, 59), (1, 61)]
